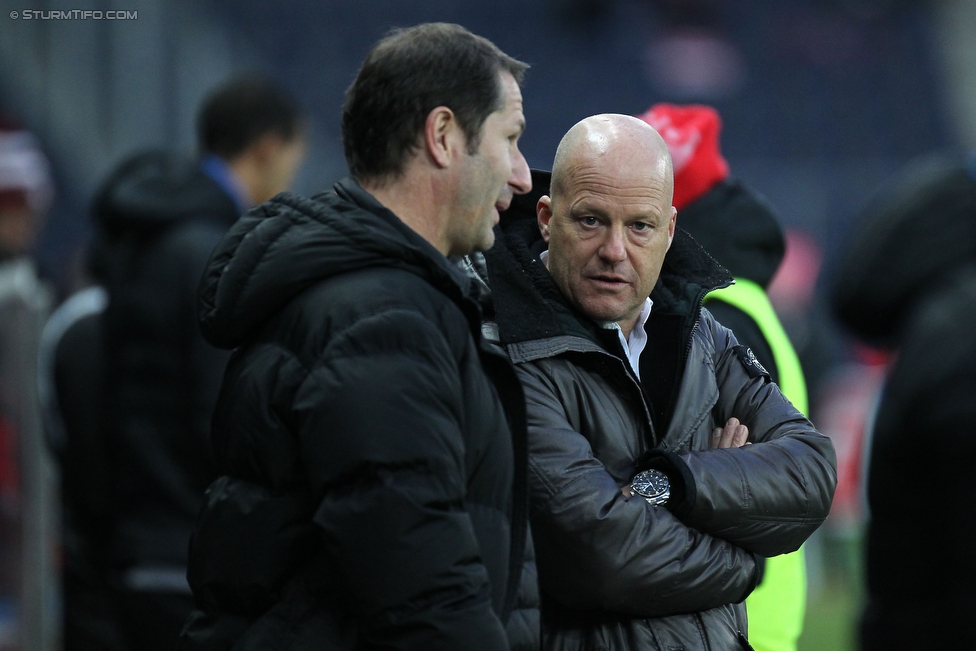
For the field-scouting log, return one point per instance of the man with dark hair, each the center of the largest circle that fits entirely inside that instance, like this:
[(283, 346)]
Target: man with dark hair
[(663, 463), (241, 112), (255, 127), (382, 117), (372, 442), (159, 216)]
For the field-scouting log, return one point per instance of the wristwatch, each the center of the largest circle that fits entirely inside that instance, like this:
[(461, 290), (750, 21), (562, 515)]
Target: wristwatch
[(653, 486)]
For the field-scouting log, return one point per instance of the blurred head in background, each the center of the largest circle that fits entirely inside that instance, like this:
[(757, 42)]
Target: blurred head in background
[(257, 128), (26, 189)]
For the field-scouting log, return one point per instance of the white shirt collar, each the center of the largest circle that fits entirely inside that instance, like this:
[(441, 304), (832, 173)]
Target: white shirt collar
[(634, 345)]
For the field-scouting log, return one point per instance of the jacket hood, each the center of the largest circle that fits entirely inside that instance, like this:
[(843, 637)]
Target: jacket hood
[(919, 230), (739, 229), (154, 190), (282, 247), (530, 306)]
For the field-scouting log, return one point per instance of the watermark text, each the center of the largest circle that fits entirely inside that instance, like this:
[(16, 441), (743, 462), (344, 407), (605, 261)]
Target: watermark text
[(74, 14)]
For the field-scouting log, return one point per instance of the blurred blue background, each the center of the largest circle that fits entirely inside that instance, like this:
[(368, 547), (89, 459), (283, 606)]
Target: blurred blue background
[(822, 99)]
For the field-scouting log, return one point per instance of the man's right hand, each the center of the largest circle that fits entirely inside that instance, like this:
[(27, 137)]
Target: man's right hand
[(733, 435)]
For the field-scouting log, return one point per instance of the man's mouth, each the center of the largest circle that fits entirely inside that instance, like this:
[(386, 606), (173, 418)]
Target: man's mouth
[(609, 281)]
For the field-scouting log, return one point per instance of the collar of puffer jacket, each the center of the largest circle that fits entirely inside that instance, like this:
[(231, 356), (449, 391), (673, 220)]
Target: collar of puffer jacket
[(282, 247), (528, 304), (153, 190)]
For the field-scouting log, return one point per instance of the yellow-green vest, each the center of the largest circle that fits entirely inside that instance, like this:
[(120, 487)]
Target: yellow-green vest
[(776, 609)]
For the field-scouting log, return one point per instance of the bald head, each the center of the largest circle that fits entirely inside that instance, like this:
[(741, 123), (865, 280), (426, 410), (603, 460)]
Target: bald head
[(609, 220), (610, 141)]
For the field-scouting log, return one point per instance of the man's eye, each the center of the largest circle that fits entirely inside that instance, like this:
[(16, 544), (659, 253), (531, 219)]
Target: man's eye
[(590, 221), (640, 226)]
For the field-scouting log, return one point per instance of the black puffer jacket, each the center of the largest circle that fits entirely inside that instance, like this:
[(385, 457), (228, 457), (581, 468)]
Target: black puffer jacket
[(364, 431), (159, 218), (617, 573), (908, 278)]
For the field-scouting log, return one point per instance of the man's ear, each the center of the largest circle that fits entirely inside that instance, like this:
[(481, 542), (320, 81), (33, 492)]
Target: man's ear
[(671, 225), (440, 129), (543, 213)]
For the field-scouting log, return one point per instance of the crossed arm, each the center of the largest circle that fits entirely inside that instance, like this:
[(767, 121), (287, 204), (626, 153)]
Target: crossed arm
[(597, 549), (768, 497), (733, 435)]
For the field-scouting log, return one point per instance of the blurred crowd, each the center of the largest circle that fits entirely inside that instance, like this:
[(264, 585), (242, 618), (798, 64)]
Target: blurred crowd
[(106, 398)]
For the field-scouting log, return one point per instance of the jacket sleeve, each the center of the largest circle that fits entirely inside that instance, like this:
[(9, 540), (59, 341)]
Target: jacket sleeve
[(598, 550), (767, 497)]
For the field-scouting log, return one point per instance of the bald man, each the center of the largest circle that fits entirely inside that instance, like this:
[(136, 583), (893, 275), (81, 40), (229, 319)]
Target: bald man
[(664, 464)]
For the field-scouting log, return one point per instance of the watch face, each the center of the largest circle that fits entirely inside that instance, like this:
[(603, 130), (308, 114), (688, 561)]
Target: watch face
[(652, 485)]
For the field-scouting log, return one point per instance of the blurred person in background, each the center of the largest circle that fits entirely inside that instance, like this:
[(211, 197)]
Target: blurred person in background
[(804, 311), (373, 442), (71, 386), (158, 217), (27, 488), (907, 280), (739, 229)]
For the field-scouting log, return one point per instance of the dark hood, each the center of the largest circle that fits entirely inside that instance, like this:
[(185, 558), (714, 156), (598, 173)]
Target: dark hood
[(739, 229), (154, 190), (530, 306), (282, 247), (918, 230)]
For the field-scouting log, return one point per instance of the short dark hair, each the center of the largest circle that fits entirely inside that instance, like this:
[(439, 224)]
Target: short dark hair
[(406, 76), (237, 114)]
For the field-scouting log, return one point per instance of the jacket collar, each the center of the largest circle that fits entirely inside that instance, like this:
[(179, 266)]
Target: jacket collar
[(534, 318), (444, 272), (154, 190), (281, 247)]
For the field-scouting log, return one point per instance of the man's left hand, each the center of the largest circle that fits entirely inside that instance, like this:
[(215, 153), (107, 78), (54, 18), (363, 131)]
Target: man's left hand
[(733, 435)]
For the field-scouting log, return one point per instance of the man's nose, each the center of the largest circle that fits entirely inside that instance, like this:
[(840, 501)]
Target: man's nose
[(520, 179), (613, 248)]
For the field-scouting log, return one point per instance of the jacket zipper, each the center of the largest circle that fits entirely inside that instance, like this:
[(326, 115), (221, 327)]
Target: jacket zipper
[(684, 360), (635, 385), (694, 326)]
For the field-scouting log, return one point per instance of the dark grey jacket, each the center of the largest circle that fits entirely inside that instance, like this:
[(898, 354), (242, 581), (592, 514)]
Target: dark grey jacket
[(618, 573)]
